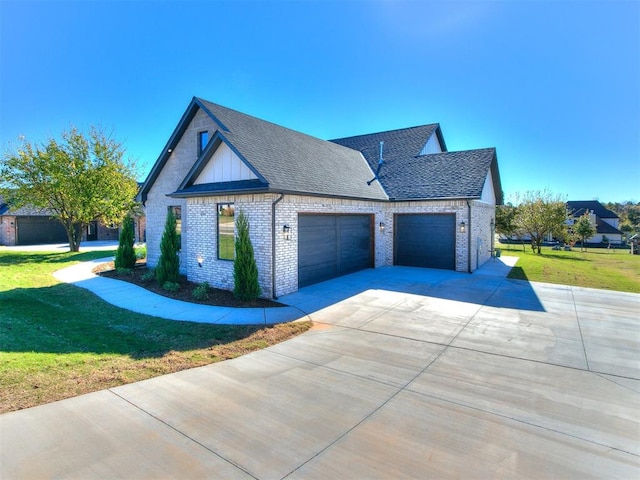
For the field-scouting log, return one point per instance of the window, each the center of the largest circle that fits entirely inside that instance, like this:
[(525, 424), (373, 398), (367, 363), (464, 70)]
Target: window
[(177, 213), (203, 139), (226, 226)]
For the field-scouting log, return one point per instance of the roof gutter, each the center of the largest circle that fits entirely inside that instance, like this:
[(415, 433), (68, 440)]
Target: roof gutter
[(273, 245)]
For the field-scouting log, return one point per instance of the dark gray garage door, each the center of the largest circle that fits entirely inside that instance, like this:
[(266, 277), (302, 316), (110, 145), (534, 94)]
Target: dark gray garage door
[(332, 245), (39, 230), (426, 241)]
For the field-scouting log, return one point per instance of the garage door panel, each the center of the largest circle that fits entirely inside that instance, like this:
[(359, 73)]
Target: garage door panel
[(332, 245), (39, 230), (425, 240)]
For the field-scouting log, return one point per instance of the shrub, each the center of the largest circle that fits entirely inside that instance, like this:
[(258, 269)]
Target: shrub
[(201, 292), (149, 275), (125, 255), (168, 266), (123, 271), (171, 286), (245, 270), (141, 252)]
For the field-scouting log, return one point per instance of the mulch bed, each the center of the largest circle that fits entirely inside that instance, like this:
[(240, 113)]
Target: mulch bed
[(217, 297)]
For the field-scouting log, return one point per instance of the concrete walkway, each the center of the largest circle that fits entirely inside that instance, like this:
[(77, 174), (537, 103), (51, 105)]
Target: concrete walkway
[(137, 299), (407, 373)]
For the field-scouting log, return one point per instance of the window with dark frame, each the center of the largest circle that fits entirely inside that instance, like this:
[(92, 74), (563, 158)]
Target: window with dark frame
[(226, 231), (203, 139)]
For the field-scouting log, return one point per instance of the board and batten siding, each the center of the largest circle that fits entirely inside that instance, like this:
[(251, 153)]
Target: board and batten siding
[(432, 145), (224, 166)]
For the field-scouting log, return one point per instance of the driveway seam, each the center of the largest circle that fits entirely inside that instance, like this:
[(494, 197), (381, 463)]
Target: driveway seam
[(519, 420), (180, 432), (584, 348), (468, 349), (366, 417)]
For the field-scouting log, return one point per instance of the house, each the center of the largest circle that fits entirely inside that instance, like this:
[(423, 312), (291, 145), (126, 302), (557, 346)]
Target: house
[(602, 219), (32, 226), (317, 209)]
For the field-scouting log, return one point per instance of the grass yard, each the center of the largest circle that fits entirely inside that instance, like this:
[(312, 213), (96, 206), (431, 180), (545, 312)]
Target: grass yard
[(595, 268), (59, 341)]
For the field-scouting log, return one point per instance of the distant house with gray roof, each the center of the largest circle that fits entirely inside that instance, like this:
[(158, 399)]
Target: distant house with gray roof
[(318, 209), (604, 221)]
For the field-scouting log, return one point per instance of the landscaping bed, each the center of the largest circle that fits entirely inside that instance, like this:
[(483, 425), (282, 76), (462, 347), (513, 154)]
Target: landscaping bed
[(216, 296)]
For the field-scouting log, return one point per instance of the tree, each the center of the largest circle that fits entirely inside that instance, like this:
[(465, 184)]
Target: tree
[(78, 179), (584, 229), (168, 268), (539, 214), (126, 255), (245, 270), (505, 220)]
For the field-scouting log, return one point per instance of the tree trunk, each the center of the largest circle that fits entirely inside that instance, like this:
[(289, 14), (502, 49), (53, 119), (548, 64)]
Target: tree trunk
[(74, 234)]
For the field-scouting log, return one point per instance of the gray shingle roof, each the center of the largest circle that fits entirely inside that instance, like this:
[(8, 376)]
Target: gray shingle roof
[(578, 207), (406, 175), (295, 162), (292, 162), (604, 228)]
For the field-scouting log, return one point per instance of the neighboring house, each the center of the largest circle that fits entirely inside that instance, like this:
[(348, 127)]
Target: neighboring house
[(316, 208), (32, 226), (602, 219)]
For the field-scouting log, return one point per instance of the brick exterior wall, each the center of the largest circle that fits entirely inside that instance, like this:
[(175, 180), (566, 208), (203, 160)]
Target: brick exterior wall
[(175, 170), (202, 238), (7, 230)]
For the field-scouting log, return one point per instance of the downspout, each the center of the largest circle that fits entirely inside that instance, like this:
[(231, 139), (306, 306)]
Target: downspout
[(469, 237), (273, 246)]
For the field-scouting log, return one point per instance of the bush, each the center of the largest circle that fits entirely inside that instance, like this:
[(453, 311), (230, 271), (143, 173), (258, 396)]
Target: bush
[(168, 266), (141, 252), (245, 270), (201, 292), (123, 271), (125, 255), (171, 286), (149, 275)]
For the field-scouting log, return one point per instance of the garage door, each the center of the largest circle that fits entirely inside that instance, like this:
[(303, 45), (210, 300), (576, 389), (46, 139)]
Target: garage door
[(425, 241), (332, 245), (39, 230)]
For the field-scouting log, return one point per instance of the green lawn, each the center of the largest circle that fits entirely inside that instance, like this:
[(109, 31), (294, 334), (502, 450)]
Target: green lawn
[(58, 341), (595, 268)]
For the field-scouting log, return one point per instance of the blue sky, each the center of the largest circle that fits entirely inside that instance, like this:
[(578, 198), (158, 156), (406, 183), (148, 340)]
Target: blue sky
[(553, 85)]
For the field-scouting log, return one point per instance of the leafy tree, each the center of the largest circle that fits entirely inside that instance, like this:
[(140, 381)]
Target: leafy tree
[(245, 270), (168, 268), (126, 255), (583, 228), (505, 220), (78, 179), (541, 213)]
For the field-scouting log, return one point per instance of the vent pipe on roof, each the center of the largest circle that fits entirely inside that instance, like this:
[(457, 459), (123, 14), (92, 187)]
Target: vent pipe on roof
[(380, 162)]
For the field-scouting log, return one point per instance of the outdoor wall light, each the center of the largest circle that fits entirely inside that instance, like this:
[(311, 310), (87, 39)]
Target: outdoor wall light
[(200, 259), (381, 226), (286, 232), (463, 227)]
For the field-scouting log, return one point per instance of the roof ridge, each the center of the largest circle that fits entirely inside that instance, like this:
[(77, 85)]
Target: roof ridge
[(436, 124), (484, 149)]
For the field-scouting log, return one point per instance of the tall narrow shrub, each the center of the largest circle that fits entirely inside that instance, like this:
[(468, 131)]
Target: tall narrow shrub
[(167, 269), (126, 255), (245, 270)]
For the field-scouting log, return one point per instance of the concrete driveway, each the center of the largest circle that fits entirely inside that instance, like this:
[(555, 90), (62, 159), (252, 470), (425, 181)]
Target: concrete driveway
[(407, 373)]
